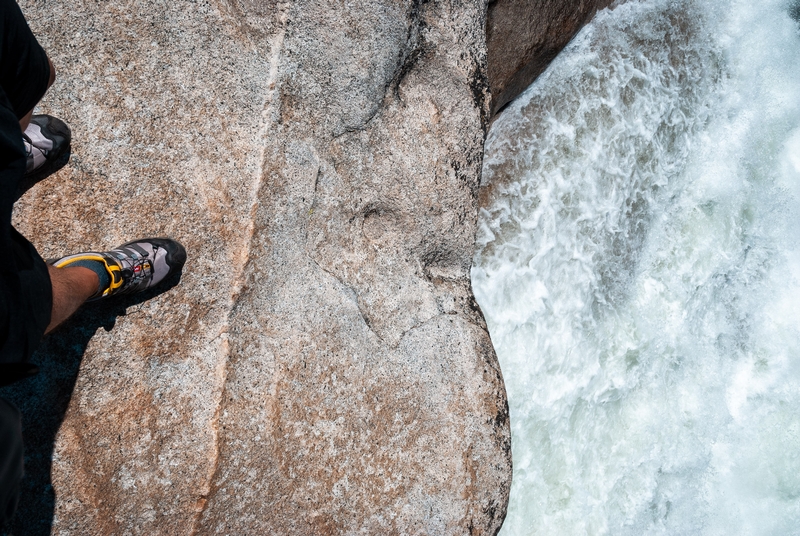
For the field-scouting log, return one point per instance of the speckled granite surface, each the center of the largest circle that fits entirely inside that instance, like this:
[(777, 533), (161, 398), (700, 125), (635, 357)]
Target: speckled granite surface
[(322, 367)]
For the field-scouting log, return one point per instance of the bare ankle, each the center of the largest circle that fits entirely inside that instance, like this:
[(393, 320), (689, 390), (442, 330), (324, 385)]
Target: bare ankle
[(71, 288)]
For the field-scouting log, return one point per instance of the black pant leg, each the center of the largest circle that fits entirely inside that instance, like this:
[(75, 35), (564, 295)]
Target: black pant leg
[(11, 460)]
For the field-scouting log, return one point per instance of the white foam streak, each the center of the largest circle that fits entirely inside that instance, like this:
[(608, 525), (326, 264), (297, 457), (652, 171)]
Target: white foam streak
[(640, 273)]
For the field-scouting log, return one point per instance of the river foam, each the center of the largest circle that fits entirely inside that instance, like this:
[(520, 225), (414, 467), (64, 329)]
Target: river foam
[(638, 264)]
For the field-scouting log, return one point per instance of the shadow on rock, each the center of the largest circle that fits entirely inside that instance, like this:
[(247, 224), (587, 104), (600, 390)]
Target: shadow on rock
[(44, 398)]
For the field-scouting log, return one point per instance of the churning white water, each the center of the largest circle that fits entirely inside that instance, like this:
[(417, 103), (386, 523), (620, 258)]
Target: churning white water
[(638, 263)]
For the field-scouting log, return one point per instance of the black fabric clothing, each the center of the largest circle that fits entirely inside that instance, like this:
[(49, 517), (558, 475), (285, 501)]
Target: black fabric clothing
[(24, 67), (11, 460), (25, 288)]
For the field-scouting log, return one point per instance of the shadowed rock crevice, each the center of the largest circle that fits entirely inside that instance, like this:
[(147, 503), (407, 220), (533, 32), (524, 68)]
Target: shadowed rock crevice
[(524, 36)]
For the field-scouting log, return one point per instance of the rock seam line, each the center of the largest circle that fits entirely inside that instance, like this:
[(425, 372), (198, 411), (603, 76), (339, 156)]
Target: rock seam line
[(267, 115)]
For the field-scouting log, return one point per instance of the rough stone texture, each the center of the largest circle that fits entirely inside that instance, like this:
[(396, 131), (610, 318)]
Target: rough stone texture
[(523, 37), (322, 367)]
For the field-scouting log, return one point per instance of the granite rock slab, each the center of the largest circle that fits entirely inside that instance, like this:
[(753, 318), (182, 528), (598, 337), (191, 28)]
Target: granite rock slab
[(321, 367)]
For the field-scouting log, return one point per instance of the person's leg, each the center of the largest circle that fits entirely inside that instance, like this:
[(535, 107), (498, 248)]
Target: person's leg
[(132, 267), (26, 74), (26, 120), (71, 288), (25, 69), (46, 140), (11, 468)]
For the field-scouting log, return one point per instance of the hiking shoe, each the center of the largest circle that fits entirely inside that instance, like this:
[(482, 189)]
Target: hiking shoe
[(46, 139), (134, 266)]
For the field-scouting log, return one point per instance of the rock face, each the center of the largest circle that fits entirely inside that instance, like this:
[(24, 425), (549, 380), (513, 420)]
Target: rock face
[(322, 367), (523, 37)]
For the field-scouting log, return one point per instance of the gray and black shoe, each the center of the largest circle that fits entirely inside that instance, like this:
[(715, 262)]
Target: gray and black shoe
[(46, 140), (135, 266)]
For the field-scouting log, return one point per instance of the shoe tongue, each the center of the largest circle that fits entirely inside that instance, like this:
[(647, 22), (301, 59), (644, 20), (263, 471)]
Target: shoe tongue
[(38, 140)]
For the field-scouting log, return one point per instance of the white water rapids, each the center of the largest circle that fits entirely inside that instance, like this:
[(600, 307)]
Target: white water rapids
[(638, 263)]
